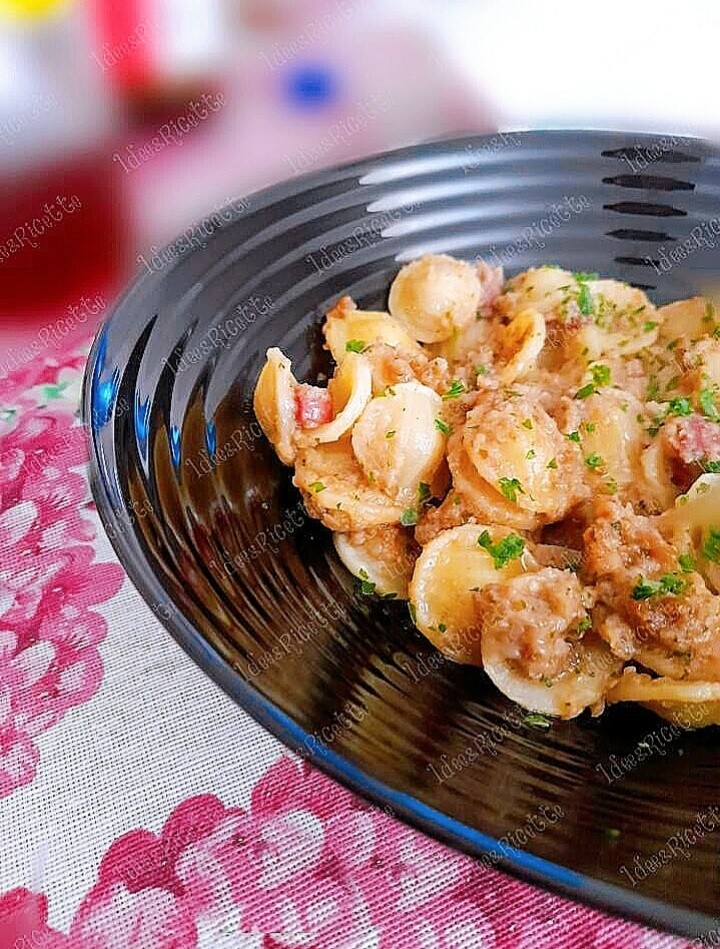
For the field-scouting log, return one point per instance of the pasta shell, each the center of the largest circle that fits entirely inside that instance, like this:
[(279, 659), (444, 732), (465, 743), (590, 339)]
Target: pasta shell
[(625, 314), (274, 404), (336, 491), (449, 571), (517, 448), (688, 704), (397, 441), (582, 686), (484, 501), (522, 342), (685, 319), (362, 328), (383, 557), (545, 289), (699, 509), (351, 390), (612, 434), (435, 297)]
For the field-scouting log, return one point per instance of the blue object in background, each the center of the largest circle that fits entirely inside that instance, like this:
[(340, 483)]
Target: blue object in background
[(311, 87)]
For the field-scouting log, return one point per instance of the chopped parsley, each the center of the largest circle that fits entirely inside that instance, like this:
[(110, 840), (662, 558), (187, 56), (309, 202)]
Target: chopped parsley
[(391, 433), (481, 370), (409, 517), (367, 587), (317, 486), (573, 436), (510, 487), (442, 426), (585, 391), (686, 563), (679, 406), (600, 375), (552, 463), (585, 301), (527, 423), (530, 454), (707, 404), (594, 461), (668, 584), (590, 427), (441, 627), (649, 326), (582, 276), (507, 549), (584, 625), (423, 491), (355, 346), (653, 389), (536, 720), (713, 466), (711, 547), (456, 388)]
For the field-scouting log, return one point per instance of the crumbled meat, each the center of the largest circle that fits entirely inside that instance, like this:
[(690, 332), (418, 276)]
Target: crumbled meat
[(674, 633), (533, 619)]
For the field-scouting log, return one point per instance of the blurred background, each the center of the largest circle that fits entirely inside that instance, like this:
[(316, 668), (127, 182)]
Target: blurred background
[(122, 122)]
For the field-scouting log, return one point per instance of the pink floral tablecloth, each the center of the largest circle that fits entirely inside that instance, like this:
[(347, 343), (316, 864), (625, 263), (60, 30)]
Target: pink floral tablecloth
[(140, 807)]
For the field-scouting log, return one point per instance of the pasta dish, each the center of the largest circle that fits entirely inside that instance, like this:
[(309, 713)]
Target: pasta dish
[(534, 465)]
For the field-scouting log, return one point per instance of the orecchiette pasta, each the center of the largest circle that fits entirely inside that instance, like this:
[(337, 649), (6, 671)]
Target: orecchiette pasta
[(382, 559), (535, 464), (397, 441), (449, 572), (274, 404), (350, 391), (348, 329), (435, 297), (336, 491)]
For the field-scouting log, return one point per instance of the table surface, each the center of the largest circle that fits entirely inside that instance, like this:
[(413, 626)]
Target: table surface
[(140, 807)]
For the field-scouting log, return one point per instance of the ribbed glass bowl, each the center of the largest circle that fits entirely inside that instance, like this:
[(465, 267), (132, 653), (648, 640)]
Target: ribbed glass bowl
[(212, 533)]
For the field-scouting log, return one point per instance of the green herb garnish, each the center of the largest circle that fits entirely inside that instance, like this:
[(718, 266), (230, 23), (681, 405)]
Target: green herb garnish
[(669, 584), (456, 389), (510, 487), (355, 346), (507, 549), (711, 547)]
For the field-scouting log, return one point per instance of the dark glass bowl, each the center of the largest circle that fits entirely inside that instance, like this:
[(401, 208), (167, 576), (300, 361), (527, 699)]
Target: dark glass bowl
[(214, 536)]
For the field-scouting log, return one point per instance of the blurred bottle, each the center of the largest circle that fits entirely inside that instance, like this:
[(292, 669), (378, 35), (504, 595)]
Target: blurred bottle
[(159, 54), (60, 231)]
